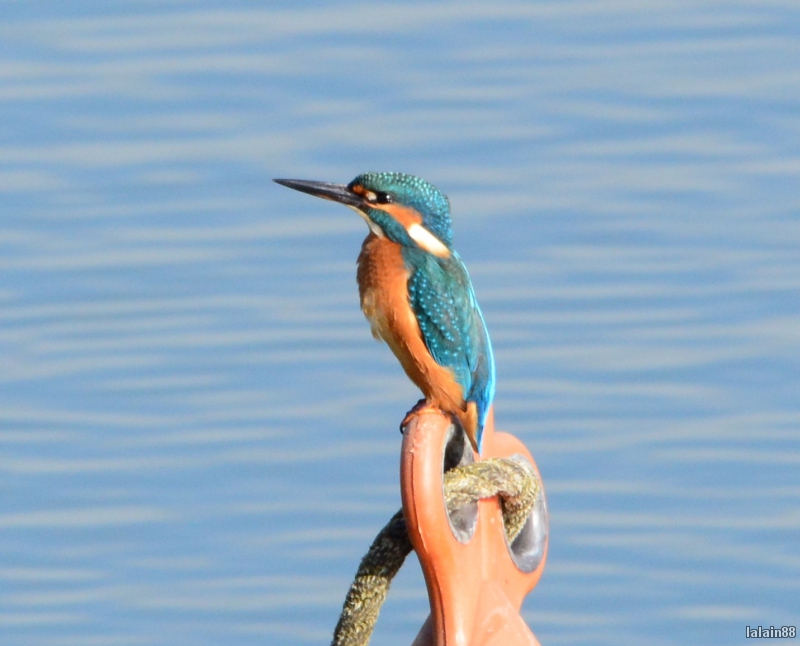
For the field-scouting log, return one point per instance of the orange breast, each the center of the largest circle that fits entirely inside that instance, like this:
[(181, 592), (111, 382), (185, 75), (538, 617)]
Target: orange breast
[(383, 287)]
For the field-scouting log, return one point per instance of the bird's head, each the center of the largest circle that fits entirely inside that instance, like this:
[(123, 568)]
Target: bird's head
[(406, 209)]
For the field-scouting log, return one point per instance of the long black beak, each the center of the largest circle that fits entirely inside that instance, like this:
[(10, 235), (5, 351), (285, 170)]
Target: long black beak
[(335, 192)]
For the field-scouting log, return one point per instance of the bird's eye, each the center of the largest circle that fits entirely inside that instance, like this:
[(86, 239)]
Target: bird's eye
[(383, 198)]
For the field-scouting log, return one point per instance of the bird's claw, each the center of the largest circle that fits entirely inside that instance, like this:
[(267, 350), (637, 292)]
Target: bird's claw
[(421, 406)]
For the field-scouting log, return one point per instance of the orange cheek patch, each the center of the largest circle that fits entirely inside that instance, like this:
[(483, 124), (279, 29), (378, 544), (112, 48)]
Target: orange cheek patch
[(369, 196), (403, 214)]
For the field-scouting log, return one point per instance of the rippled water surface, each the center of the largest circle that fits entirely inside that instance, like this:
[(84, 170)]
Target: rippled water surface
[(199, 437)]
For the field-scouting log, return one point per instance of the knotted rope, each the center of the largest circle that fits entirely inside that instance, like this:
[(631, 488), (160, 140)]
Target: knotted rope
[(511, 479)]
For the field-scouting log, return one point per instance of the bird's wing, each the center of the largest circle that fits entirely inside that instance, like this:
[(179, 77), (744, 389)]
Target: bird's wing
[(452, 326)]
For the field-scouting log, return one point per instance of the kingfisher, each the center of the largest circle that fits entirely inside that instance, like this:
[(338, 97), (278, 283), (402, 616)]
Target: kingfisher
[(416, 293)]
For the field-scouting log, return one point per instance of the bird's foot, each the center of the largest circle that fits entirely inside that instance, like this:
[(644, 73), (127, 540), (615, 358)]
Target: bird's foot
[(421, 406)]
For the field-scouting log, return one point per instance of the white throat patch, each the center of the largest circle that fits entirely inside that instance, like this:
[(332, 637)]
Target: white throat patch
[(428, 241), (372, 226)]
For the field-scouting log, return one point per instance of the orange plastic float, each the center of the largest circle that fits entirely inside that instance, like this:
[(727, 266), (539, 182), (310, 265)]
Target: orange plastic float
[(476, 581)]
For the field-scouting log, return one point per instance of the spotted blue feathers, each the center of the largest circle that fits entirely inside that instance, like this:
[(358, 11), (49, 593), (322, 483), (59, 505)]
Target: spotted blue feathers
[(452, 326)]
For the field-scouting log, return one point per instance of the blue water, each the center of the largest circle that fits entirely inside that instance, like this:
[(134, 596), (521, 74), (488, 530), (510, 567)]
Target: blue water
[(199, 437)]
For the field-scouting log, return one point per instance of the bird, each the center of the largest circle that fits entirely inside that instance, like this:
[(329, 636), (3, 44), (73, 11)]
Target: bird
[(416, 293)]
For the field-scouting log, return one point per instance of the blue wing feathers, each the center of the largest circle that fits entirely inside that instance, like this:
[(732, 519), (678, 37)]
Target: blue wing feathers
[(452, 326)]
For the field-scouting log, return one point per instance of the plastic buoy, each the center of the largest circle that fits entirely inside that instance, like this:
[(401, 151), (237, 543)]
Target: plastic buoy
[(476, 581)]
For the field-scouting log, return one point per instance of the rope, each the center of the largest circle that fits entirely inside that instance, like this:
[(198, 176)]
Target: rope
[(511, 479)]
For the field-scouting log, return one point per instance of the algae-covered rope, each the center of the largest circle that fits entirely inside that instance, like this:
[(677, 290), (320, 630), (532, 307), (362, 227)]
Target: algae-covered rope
[(511, 479)]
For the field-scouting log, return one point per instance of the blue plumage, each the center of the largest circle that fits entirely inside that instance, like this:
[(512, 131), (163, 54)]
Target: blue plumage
[(452, 326)]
